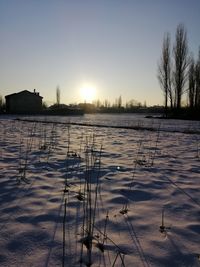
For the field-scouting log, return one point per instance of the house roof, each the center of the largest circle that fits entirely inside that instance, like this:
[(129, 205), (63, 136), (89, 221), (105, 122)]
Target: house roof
[(24, 92)]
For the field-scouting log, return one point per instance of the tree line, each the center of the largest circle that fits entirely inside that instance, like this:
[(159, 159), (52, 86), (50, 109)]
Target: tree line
[(179, 74)]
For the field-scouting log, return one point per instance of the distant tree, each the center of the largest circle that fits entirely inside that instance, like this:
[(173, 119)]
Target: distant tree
[(180, 55), (98, 103), (106, 103), (132, 104), (44, 105), (164, 71), (58, 95), (119, 102)]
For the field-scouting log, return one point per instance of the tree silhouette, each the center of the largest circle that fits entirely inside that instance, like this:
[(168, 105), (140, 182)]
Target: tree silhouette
[(192, 83), (58, 95), (164, 71), (181, 62), (197, 82), (119, 102)]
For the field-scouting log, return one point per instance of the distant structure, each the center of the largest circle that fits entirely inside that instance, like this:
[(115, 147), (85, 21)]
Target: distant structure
[(24, 102)]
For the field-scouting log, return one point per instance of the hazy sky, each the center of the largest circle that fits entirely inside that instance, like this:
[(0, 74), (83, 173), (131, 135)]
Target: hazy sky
[(112, 45)]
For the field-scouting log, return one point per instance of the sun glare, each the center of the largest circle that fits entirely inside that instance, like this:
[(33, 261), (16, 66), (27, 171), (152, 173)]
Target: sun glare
[(88, 94)]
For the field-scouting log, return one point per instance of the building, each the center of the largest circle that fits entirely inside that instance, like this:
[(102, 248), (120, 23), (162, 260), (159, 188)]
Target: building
[(24, 102)]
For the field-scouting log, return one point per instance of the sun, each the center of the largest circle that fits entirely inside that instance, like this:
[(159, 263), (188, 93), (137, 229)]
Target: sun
[(88, 93)]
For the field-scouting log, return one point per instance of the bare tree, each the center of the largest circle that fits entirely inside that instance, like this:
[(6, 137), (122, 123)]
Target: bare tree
[(58, 95), (164, 71), (192, 83), (197, 80), (98, 103), (180, 54), (132, 104), (119, 102), (106, 103)]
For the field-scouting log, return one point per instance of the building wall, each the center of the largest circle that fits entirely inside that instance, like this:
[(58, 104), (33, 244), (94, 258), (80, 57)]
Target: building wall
[(27, 103)]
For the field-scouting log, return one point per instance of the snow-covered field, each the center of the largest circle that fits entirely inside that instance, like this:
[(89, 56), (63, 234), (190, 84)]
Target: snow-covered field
[(85, 196)]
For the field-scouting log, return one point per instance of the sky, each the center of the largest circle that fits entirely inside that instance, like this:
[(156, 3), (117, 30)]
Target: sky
[(111, 46)]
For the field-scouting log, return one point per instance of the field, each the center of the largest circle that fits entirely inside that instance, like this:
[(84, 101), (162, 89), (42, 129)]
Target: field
[(94, 196)]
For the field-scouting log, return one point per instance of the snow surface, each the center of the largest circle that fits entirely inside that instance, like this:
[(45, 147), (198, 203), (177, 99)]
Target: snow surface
[(61, 184)]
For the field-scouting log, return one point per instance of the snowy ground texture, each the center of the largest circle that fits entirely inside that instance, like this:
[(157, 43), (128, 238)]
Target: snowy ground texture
[(85, 196)]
